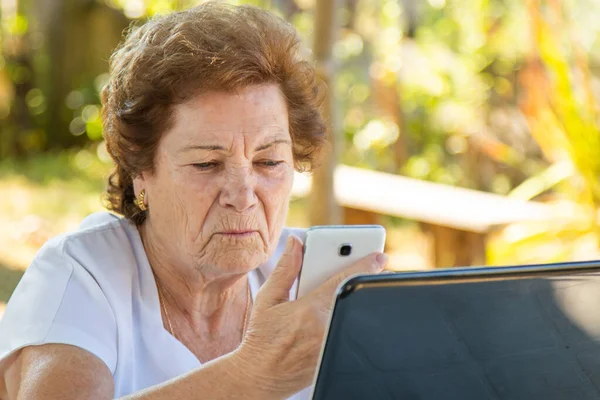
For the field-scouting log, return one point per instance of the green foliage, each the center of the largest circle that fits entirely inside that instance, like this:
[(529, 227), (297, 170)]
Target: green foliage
[(497, 95), (81, 168)]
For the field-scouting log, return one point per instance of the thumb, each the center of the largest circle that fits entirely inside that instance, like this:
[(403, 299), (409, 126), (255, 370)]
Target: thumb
[(277, 287)]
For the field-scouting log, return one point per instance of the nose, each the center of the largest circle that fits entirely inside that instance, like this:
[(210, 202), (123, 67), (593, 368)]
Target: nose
[(238, 191)]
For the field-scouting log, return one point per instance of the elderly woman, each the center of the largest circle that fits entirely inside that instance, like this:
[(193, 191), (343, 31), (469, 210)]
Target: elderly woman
[(207, 114)]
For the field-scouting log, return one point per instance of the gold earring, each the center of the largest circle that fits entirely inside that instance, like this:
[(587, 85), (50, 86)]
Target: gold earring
[(140, 201)]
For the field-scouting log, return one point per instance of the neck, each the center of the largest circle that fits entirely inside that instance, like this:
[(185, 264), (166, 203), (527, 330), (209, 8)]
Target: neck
[(188, 292)]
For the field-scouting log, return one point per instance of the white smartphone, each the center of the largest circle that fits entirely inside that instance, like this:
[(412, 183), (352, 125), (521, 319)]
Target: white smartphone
[(333, 248)]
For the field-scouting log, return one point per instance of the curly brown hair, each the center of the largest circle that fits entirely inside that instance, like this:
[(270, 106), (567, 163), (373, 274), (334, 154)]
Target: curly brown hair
[(212, 47)]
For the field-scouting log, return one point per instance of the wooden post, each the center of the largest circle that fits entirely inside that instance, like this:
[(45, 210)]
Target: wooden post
[(324, 209), (354, 216), (454, 247)]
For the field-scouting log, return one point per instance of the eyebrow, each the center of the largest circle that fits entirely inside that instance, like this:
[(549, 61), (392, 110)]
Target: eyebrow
[(272, 143), (201, 147), (211, 147)]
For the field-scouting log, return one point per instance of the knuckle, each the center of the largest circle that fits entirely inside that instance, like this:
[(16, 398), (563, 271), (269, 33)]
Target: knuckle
[(372, 263), (369, 266)]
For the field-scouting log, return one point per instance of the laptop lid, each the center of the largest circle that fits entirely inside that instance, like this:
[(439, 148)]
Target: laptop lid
[(513, 333)]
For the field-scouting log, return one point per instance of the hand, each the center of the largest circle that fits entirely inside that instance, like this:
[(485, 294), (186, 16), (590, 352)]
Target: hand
[(283, 341)]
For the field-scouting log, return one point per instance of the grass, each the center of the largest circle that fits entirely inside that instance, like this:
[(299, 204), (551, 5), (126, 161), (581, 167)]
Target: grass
[(43, 197)]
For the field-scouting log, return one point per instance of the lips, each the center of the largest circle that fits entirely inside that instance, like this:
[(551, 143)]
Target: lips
[(238, 234)]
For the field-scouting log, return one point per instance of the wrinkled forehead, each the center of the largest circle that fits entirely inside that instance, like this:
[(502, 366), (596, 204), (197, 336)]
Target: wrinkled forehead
[(252, 115)]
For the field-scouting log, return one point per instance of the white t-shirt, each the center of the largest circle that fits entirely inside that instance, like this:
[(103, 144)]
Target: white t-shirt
[(94, 289)]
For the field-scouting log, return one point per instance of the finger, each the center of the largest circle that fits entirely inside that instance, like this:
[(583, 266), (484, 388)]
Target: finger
[(277, 287), (371, 264)]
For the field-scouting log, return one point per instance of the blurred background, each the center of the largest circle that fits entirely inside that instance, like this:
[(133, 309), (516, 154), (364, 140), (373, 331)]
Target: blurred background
[(468, 128)]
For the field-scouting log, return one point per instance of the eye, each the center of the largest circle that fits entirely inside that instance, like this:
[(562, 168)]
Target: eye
[(206, 165), (269, 163)]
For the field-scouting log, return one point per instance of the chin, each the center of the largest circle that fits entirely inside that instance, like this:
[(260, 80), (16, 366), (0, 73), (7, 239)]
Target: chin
[(235, 263), (236, 255)]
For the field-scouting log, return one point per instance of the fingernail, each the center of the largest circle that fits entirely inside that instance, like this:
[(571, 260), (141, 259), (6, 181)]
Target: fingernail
[(381, 259), (289, 244)]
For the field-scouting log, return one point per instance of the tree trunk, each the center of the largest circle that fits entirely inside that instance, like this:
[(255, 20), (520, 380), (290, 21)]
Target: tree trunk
[(81, 35), (324, 209), (63, 25)]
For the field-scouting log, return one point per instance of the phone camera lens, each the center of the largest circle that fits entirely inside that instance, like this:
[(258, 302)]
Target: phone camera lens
[(345, 249)]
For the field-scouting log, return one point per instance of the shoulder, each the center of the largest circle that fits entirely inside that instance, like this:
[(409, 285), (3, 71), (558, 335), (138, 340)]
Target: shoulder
[(102, 239), (103, 230), (95, 225), (92, 262), (102, 243), (104, 257), (62, 297)]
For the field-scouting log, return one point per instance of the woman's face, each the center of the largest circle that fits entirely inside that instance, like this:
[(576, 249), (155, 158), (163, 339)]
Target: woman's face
[(219, 195)]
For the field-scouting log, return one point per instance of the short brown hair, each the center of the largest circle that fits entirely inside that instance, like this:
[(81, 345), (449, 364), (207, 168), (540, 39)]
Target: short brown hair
[(212, 47)]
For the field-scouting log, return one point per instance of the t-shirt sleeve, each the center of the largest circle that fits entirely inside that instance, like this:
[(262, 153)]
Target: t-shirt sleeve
[(58, 301)]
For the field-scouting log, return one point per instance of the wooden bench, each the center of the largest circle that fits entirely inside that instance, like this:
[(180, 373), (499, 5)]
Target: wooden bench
[(458, 219)]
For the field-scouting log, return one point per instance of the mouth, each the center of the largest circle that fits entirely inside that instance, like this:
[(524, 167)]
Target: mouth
[(238, 234)]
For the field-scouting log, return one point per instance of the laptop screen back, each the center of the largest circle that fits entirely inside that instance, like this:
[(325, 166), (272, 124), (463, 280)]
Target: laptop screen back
[(528, 338)]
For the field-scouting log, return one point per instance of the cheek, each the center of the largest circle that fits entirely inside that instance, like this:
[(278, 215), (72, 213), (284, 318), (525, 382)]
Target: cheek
[(200, 188), (164, 200), (275, 193), (194, 195), (275, 189)]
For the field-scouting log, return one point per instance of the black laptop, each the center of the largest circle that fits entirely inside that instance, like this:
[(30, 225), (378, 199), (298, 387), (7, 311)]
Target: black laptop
[(502, 333)]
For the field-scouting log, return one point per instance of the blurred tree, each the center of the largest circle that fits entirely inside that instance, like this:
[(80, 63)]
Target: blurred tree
[(498, 95), (18, 76), (561, 111), (54, 53), (323, 206), (81, 35)]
